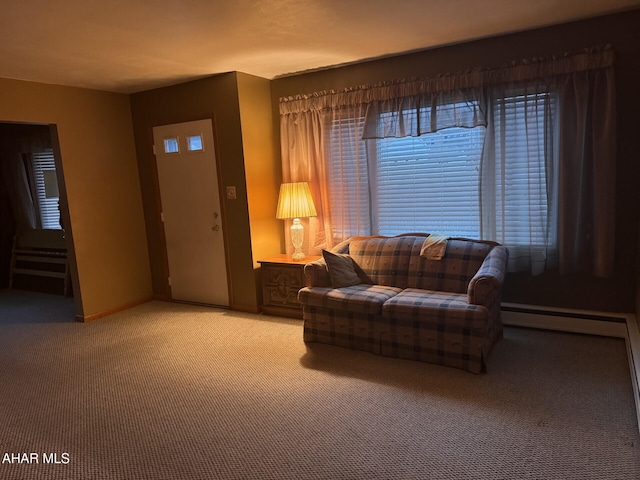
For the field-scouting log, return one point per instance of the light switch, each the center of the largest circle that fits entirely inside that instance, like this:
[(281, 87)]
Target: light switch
[(231, 193)]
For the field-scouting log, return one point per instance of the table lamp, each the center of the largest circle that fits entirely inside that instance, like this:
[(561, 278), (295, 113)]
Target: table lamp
[(294, 202)]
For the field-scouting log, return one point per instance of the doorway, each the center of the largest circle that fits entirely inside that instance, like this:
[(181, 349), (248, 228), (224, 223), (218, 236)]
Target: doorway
[(191, 212), (33, 207), (30, 198)]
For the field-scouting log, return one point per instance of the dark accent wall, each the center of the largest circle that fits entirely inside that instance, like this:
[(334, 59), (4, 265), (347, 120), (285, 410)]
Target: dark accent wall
[(622, 31), (239, 106)]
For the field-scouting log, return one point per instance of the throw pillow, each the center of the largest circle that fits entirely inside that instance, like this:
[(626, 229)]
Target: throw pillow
[(341, 269)]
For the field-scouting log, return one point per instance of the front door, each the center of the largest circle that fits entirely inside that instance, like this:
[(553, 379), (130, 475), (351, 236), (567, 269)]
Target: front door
[(191, 212)]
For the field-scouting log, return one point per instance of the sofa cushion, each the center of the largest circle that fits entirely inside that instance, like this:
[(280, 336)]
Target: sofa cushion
[(453, 272), (383, 261), (449, 315), (357, 298), (341, 269)]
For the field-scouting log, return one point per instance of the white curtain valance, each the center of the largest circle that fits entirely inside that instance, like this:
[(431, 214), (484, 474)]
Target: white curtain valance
[(537, 69)]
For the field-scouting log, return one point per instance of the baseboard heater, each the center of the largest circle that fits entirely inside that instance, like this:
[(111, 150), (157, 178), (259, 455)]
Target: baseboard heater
[(609, 324), (565, 319)]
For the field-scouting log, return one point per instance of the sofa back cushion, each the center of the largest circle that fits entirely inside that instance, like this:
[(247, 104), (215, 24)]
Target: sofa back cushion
[(396, 261), (461, 261), (383, 261)]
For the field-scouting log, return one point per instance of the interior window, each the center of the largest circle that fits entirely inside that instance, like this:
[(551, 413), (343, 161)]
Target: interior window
[(46, 188)]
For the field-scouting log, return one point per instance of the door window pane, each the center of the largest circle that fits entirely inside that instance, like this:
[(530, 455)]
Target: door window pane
[(171, 145), (194, 143)]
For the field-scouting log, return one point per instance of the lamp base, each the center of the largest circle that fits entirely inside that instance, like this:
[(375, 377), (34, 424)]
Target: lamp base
[(298, 255), (297, 238)]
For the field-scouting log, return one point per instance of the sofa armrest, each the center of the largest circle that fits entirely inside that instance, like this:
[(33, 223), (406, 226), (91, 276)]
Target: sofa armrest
[(316, 274), (487, 282)]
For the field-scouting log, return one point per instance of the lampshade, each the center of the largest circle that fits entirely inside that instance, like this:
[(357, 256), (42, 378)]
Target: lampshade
[(295, 201)]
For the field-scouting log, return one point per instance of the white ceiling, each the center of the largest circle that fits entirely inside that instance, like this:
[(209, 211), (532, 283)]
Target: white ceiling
[(133, 45)]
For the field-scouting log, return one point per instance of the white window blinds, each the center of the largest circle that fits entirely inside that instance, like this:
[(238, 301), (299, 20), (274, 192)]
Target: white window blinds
[(46, 188), (428, 183)]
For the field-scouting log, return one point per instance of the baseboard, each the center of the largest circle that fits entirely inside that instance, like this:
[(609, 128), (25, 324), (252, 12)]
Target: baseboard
[(245, 308), (120, 308), (619, 325), (235, 307)]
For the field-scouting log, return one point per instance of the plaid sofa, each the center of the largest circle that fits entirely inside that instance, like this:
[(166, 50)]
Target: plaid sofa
[(444, 311)]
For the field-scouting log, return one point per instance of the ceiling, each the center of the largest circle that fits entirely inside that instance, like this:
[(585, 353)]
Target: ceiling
[(128, 46)]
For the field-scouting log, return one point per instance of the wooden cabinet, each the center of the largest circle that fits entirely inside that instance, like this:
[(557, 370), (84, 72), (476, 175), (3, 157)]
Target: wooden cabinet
[(282, 277)]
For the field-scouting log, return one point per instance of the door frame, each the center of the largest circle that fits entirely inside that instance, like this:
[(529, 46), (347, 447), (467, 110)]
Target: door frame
[(166, 295)]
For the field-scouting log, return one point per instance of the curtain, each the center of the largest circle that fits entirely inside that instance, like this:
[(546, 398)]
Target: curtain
[(518, 198), (577, 158), (304, 136), (571, 152), (302, 144), (587, 172)]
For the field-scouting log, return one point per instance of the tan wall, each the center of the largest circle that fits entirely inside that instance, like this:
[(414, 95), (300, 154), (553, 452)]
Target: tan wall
[(102, 185), (216, 98), (262, 165), (621, 30)]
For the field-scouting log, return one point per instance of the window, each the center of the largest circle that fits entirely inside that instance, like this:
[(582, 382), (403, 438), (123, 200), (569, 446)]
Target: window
[(171, 145), (194, 143), (463, 182), (46, 189), (549, 127), (428, 183)]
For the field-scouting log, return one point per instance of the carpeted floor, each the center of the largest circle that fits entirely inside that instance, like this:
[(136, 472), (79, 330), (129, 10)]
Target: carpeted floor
[(170, 391)]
